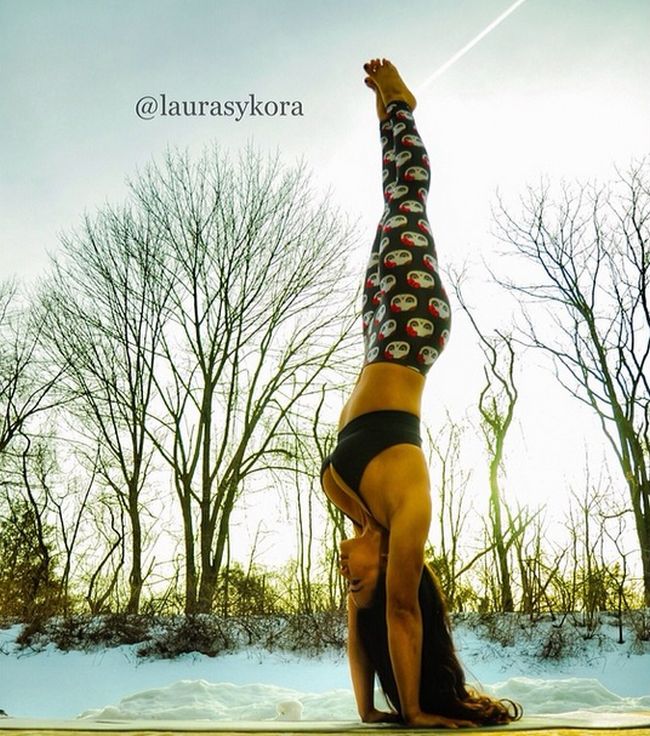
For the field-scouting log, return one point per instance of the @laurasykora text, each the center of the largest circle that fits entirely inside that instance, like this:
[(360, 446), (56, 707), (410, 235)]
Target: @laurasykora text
[(149, 107)]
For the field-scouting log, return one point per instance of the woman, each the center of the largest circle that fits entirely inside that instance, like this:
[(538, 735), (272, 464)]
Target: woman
[(377, 474)]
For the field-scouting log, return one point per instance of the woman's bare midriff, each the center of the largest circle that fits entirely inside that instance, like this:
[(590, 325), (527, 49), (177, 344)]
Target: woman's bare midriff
[(384, 386)]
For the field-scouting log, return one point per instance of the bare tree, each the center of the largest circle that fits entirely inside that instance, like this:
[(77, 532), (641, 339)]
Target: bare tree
[(29, 578), (496, 406), (589, 247), (306, 492), (25, 382), (69, 502), (614, 527), (321, 526), (26, 396), (259, 303), (337, 528), (589, 579), (538, 571), (448, 557), (105, 561), (103, 310)]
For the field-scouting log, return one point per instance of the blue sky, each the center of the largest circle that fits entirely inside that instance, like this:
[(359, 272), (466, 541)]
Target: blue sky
[(558, 89), (557, 77)]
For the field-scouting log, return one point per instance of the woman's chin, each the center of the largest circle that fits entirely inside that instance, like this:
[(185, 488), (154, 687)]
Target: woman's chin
[(364, 598)]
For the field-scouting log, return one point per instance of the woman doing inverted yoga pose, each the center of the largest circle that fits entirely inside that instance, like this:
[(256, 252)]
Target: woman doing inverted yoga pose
[(377, 474)]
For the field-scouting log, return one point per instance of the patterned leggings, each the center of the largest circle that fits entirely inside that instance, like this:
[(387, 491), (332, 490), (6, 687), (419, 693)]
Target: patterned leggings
[(406, 314)]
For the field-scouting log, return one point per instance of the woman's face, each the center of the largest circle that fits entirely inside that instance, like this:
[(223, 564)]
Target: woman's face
[(362, 560)]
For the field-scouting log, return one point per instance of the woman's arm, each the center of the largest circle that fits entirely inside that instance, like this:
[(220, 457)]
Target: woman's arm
[(408, 533), (361, 670), (363, 674)]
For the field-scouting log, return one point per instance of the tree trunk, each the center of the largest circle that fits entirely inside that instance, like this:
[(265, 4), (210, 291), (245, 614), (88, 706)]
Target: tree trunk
[(190, 563), (507, 603), (135, 576), (641, 507)]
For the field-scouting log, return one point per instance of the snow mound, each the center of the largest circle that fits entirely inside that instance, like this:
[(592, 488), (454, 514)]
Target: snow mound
[(565, 696), (223, 701)]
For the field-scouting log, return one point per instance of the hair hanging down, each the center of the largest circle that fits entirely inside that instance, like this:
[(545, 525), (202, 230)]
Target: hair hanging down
[(442, 683)]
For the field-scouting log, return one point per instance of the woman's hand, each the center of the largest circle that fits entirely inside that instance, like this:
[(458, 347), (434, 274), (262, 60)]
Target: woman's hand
[(380, 716), (431, 720)]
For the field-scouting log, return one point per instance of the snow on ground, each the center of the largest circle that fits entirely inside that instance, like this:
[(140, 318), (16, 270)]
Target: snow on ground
[(253, 684)]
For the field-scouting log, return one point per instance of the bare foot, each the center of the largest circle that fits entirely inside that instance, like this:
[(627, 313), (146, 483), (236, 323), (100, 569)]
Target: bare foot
[(381, 108), (388, 82)]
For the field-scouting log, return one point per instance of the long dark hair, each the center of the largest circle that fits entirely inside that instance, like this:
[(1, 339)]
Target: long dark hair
[(442, 681)]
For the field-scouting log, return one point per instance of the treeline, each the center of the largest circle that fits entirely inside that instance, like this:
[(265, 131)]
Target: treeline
[(188, 350)]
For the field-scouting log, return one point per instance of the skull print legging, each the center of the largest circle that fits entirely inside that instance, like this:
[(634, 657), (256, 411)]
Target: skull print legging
[(406, 314)]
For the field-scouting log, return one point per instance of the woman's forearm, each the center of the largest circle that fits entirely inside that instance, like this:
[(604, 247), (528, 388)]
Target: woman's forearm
[(405, 646), (361, 670), (408, 533)]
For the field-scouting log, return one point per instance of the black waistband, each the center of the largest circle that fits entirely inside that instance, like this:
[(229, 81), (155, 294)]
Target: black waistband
[(385, 419)]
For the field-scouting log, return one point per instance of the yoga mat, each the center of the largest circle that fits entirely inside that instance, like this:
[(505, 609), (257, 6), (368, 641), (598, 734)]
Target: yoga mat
[(589, 723)]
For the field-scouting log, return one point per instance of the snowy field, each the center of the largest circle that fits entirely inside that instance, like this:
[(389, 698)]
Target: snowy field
[(252, 684)]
